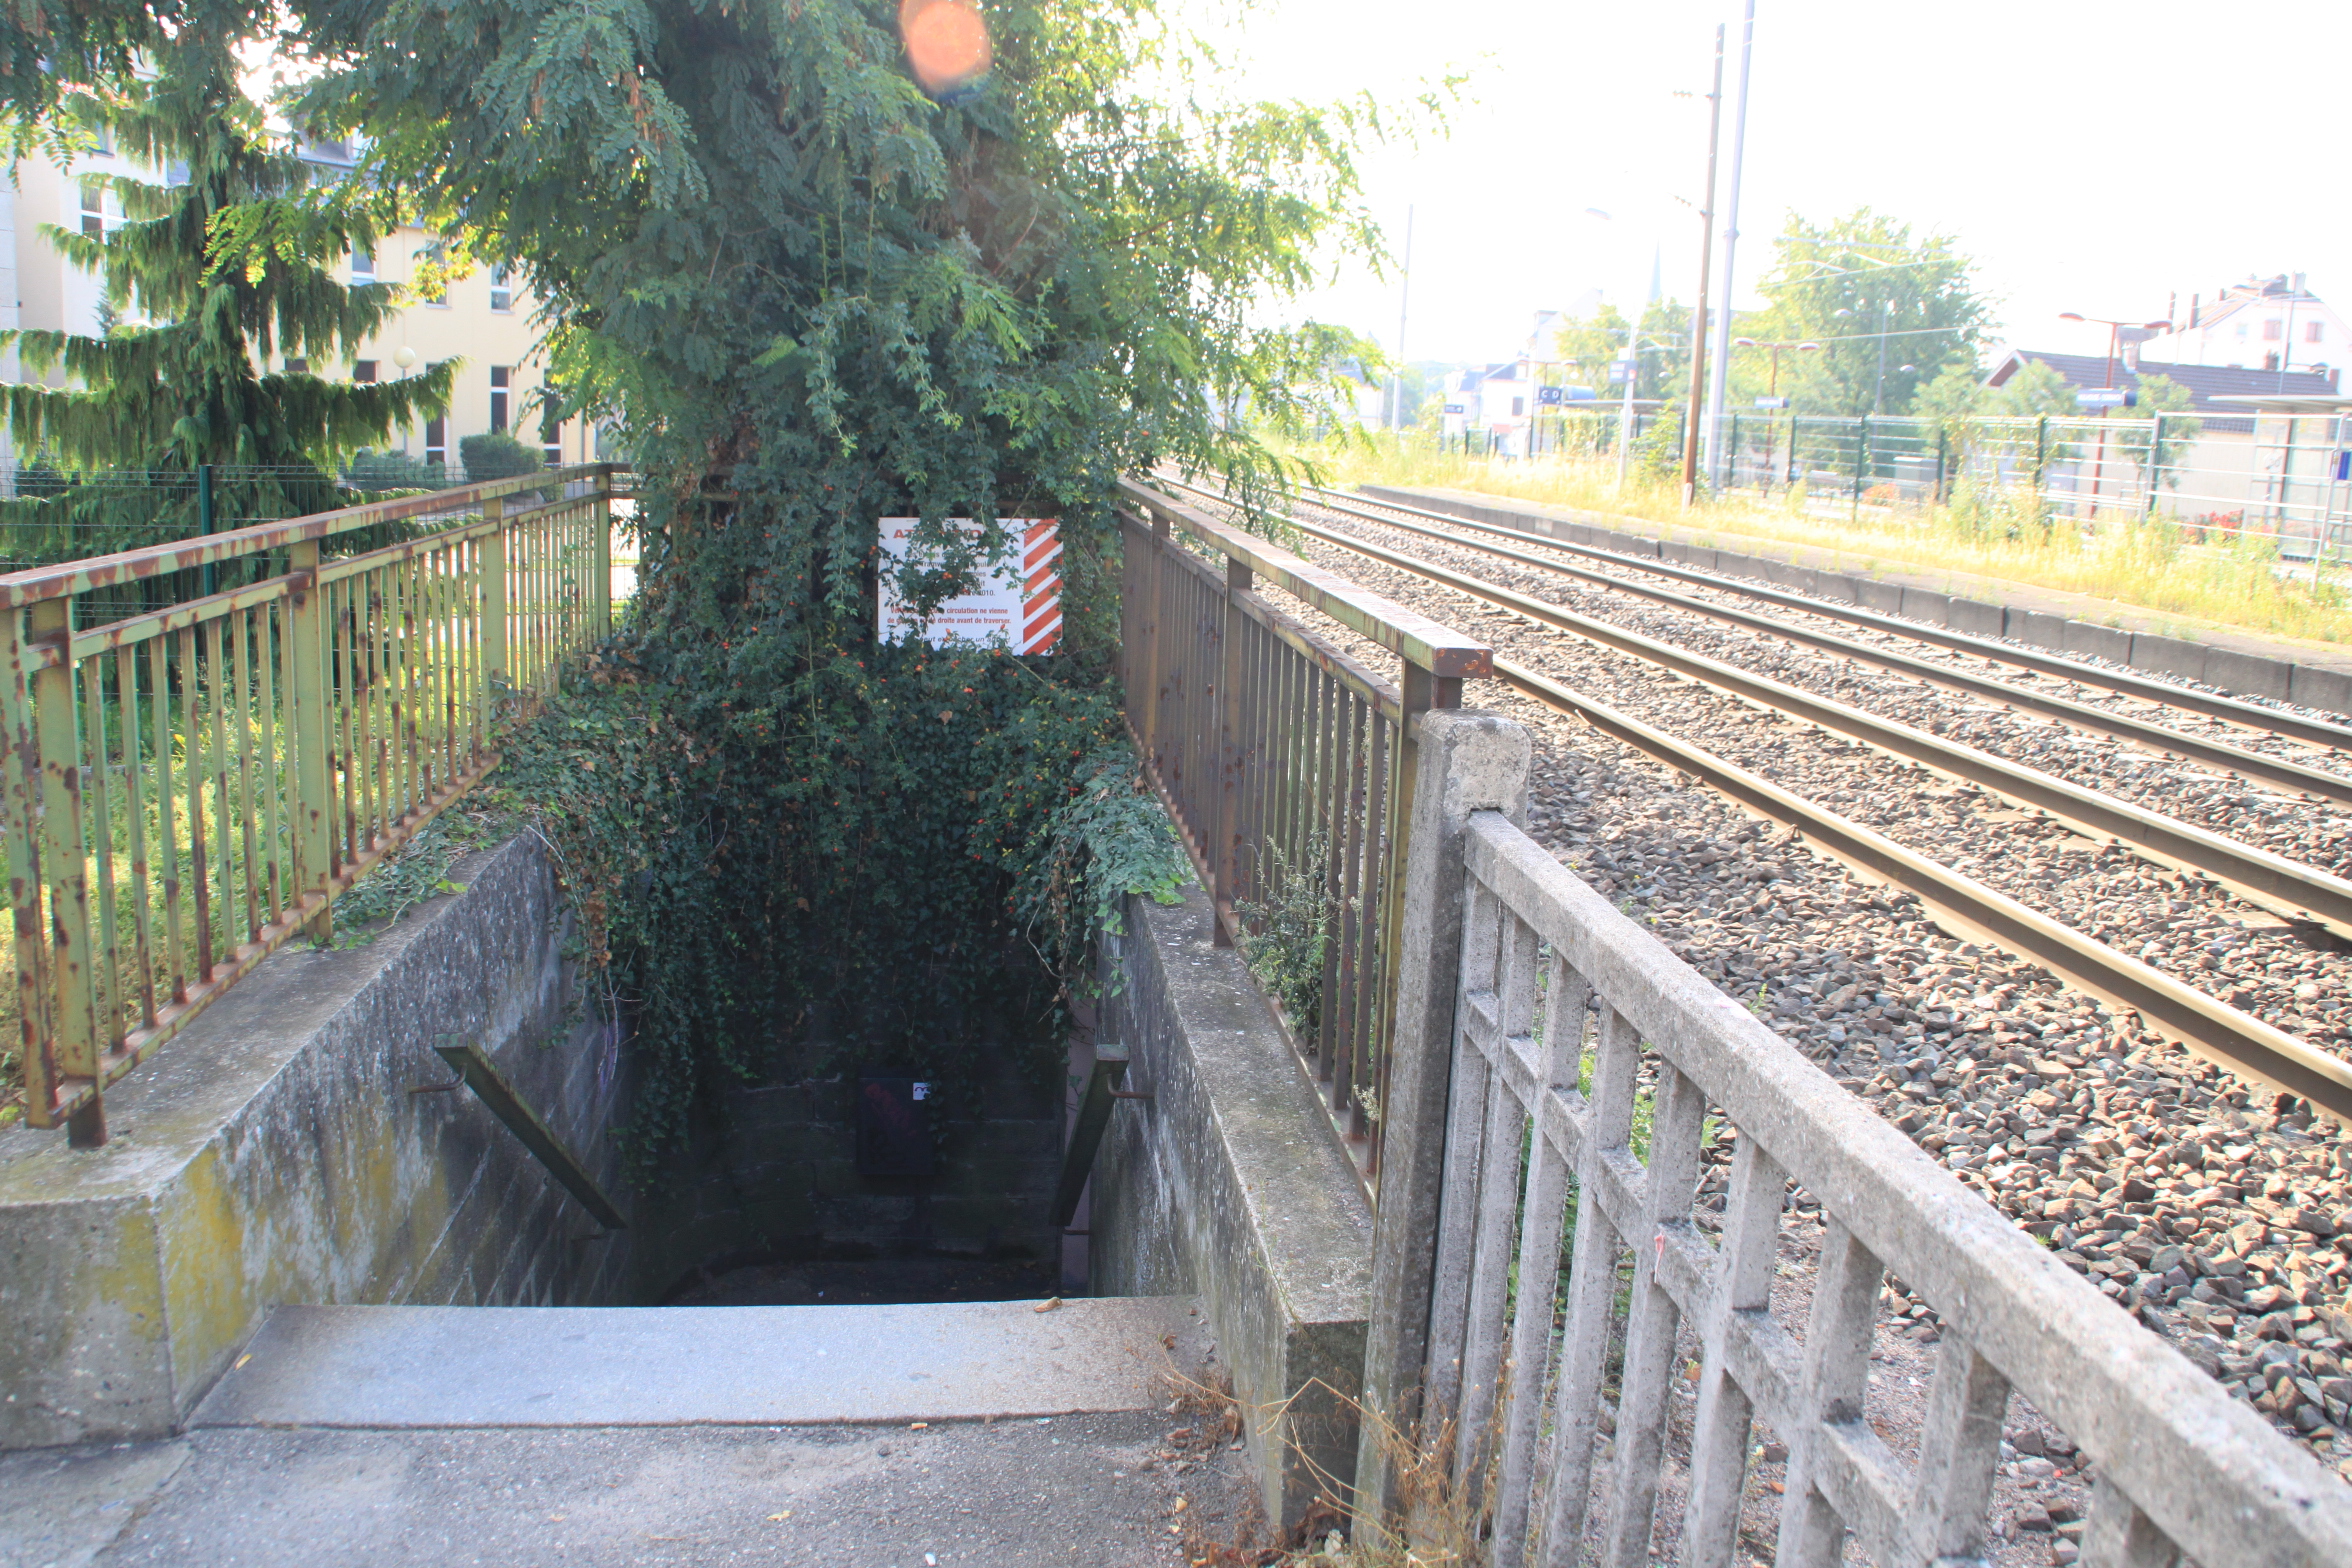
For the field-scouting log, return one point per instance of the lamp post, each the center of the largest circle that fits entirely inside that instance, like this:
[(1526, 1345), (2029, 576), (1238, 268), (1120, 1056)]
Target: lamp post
[(2106, 412), (1772, 402)]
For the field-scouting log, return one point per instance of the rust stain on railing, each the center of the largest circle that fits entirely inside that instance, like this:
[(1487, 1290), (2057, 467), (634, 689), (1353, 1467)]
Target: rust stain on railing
[(190, 787)]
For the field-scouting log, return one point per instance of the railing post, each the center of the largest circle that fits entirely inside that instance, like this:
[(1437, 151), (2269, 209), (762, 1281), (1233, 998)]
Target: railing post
[(493, 600), (1457, 763), (73, 1001), (22, 764), (1225, 847), (308, 727), (601, 624)]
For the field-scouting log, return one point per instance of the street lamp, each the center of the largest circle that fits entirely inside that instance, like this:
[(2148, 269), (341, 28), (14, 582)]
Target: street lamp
[(2114, 335), (2107, 410), (1774, 400)]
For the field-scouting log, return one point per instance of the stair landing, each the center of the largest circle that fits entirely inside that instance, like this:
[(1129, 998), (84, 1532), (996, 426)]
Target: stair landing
[(676, 1366), (916, 1436)]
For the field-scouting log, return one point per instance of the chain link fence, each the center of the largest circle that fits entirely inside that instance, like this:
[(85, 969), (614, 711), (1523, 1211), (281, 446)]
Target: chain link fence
[(2280, 477)]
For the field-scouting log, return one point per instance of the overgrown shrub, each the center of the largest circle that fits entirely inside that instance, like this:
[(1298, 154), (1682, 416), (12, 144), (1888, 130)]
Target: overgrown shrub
[(496, 455)]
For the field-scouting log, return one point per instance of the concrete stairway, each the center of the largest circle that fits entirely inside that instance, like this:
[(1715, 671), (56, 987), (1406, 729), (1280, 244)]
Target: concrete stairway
[(895, 1436)]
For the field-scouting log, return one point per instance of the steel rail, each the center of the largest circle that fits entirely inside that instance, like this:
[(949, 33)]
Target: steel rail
[(2314, 732), (2259, 876), (2153, 737), (2206, 1025)]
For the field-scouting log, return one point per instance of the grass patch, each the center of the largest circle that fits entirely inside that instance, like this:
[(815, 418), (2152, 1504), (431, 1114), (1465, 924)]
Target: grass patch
[(2152, 564)]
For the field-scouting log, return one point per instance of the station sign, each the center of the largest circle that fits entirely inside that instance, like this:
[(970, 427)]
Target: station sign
[(1018, 602), (1550, 397), (1772, 402), (1457, 408), (2106, 397)]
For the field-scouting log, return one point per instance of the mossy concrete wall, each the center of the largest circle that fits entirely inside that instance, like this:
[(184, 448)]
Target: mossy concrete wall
[(275, 1152), (1229, 1184)]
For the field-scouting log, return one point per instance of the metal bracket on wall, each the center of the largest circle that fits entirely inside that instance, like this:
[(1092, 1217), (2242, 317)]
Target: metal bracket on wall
[(474, 1068), (1094, 1117)]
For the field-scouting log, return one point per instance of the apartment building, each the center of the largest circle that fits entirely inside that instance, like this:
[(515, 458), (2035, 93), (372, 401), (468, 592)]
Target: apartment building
[(483, 320)]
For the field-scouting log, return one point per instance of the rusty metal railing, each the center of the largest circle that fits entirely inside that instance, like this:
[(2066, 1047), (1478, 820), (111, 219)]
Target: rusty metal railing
[(1287, 765), (187, 788)]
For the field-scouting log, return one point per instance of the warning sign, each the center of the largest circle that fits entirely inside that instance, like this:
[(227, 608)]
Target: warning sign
[(1019, 598)]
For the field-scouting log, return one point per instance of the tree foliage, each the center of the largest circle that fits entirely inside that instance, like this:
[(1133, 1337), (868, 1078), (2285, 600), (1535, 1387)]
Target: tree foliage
[(806, 295), (1892, 310), (1590, 344), (222, 266)]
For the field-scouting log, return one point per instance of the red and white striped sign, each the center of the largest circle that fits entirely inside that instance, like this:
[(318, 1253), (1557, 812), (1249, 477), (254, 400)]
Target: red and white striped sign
[(1019, 599)]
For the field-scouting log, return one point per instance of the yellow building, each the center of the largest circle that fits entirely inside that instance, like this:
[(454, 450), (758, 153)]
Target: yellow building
[(483, 320)]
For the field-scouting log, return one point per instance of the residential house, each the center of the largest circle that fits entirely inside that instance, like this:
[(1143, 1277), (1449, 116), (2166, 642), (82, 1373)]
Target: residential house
[(2261, 324)]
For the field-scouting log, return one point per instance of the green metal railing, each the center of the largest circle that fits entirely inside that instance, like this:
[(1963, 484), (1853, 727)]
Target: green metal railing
[(188, 788)]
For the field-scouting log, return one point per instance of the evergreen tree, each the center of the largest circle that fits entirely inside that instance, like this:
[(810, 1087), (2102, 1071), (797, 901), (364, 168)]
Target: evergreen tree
[(210, 275)]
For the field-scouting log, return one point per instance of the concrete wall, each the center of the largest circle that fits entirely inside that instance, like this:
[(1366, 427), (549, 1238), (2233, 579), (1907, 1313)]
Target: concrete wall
[(1229, 1184), (2232, 670), (273, 1153)]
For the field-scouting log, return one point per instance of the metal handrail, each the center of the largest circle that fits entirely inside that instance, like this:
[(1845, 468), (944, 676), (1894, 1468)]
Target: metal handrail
[(1281, 757), (191, 786)]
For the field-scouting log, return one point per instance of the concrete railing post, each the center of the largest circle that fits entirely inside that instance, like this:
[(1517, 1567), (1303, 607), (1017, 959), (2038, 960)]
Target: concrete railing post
[(1468, 761)]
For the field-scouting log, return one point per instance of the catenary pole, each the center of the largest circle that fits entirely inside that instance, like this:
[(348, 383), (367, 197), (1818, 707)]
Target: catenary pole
[(1396, 377), (1718, 455), (1698, 363)]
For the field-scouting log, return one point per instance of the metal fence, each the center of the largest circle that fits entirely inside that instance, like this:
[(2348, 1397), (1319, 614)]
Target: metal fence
[(1588, 1068), (2279, 476), (193, 784), (1288, 766)]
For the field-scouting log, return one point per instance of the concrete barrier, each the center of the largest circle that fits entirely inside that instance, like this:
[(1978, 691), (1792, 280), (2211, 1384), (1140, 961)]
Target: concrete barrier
[(274, 1152), (1228, 1184)]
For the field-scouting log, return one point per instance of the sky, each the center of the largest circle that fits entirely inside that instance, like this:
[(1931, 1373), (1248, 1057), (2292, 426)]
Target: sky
[(2095, 156)]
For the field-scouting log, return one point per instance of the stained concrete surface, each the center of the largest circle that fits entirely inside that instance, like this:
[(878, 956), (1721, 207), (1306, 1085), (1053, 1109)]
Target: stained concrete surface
[(1098, 1490), (624, 1366)]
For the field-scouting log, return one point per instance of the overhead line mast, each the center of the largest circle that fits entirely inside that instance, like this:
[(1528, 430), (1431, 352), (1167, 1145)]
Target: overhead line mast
[(1698, 366)]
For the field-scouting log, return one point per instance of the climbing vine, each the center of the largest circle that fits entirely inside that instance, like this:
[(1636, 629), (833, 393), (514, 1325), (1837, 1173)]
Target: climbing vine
[(804, 294)]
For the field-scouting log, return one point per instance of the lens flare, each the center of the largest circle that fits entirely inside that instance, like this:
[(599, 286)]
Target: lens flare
[(947, 46)]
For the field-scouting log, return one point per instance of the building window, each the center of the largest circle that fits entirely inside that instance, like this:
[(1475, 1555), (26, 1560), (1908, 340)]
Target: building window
[(436, 255), (501, 388), (2315, 332), (363, 371), (2272, 330), (501, 293), (437, 442), (550, 429), (102, 210), (363, 264)]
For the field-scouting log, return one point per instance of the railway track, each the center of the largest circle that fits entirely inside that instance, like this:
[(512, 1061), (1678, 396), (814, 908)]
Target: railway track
[(1946, 978), (2249, 716), (2247, 1045)]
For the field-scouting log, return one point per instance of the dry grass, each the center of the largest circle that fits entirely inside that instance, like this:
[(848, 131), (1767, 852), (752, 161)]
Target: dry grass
[(1447, 1524), (2150, 565)]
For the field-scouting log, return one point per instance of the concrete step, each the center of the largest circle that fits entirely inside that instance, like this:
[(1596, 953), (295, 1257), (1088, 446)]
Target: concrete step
[(393, 1367)]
